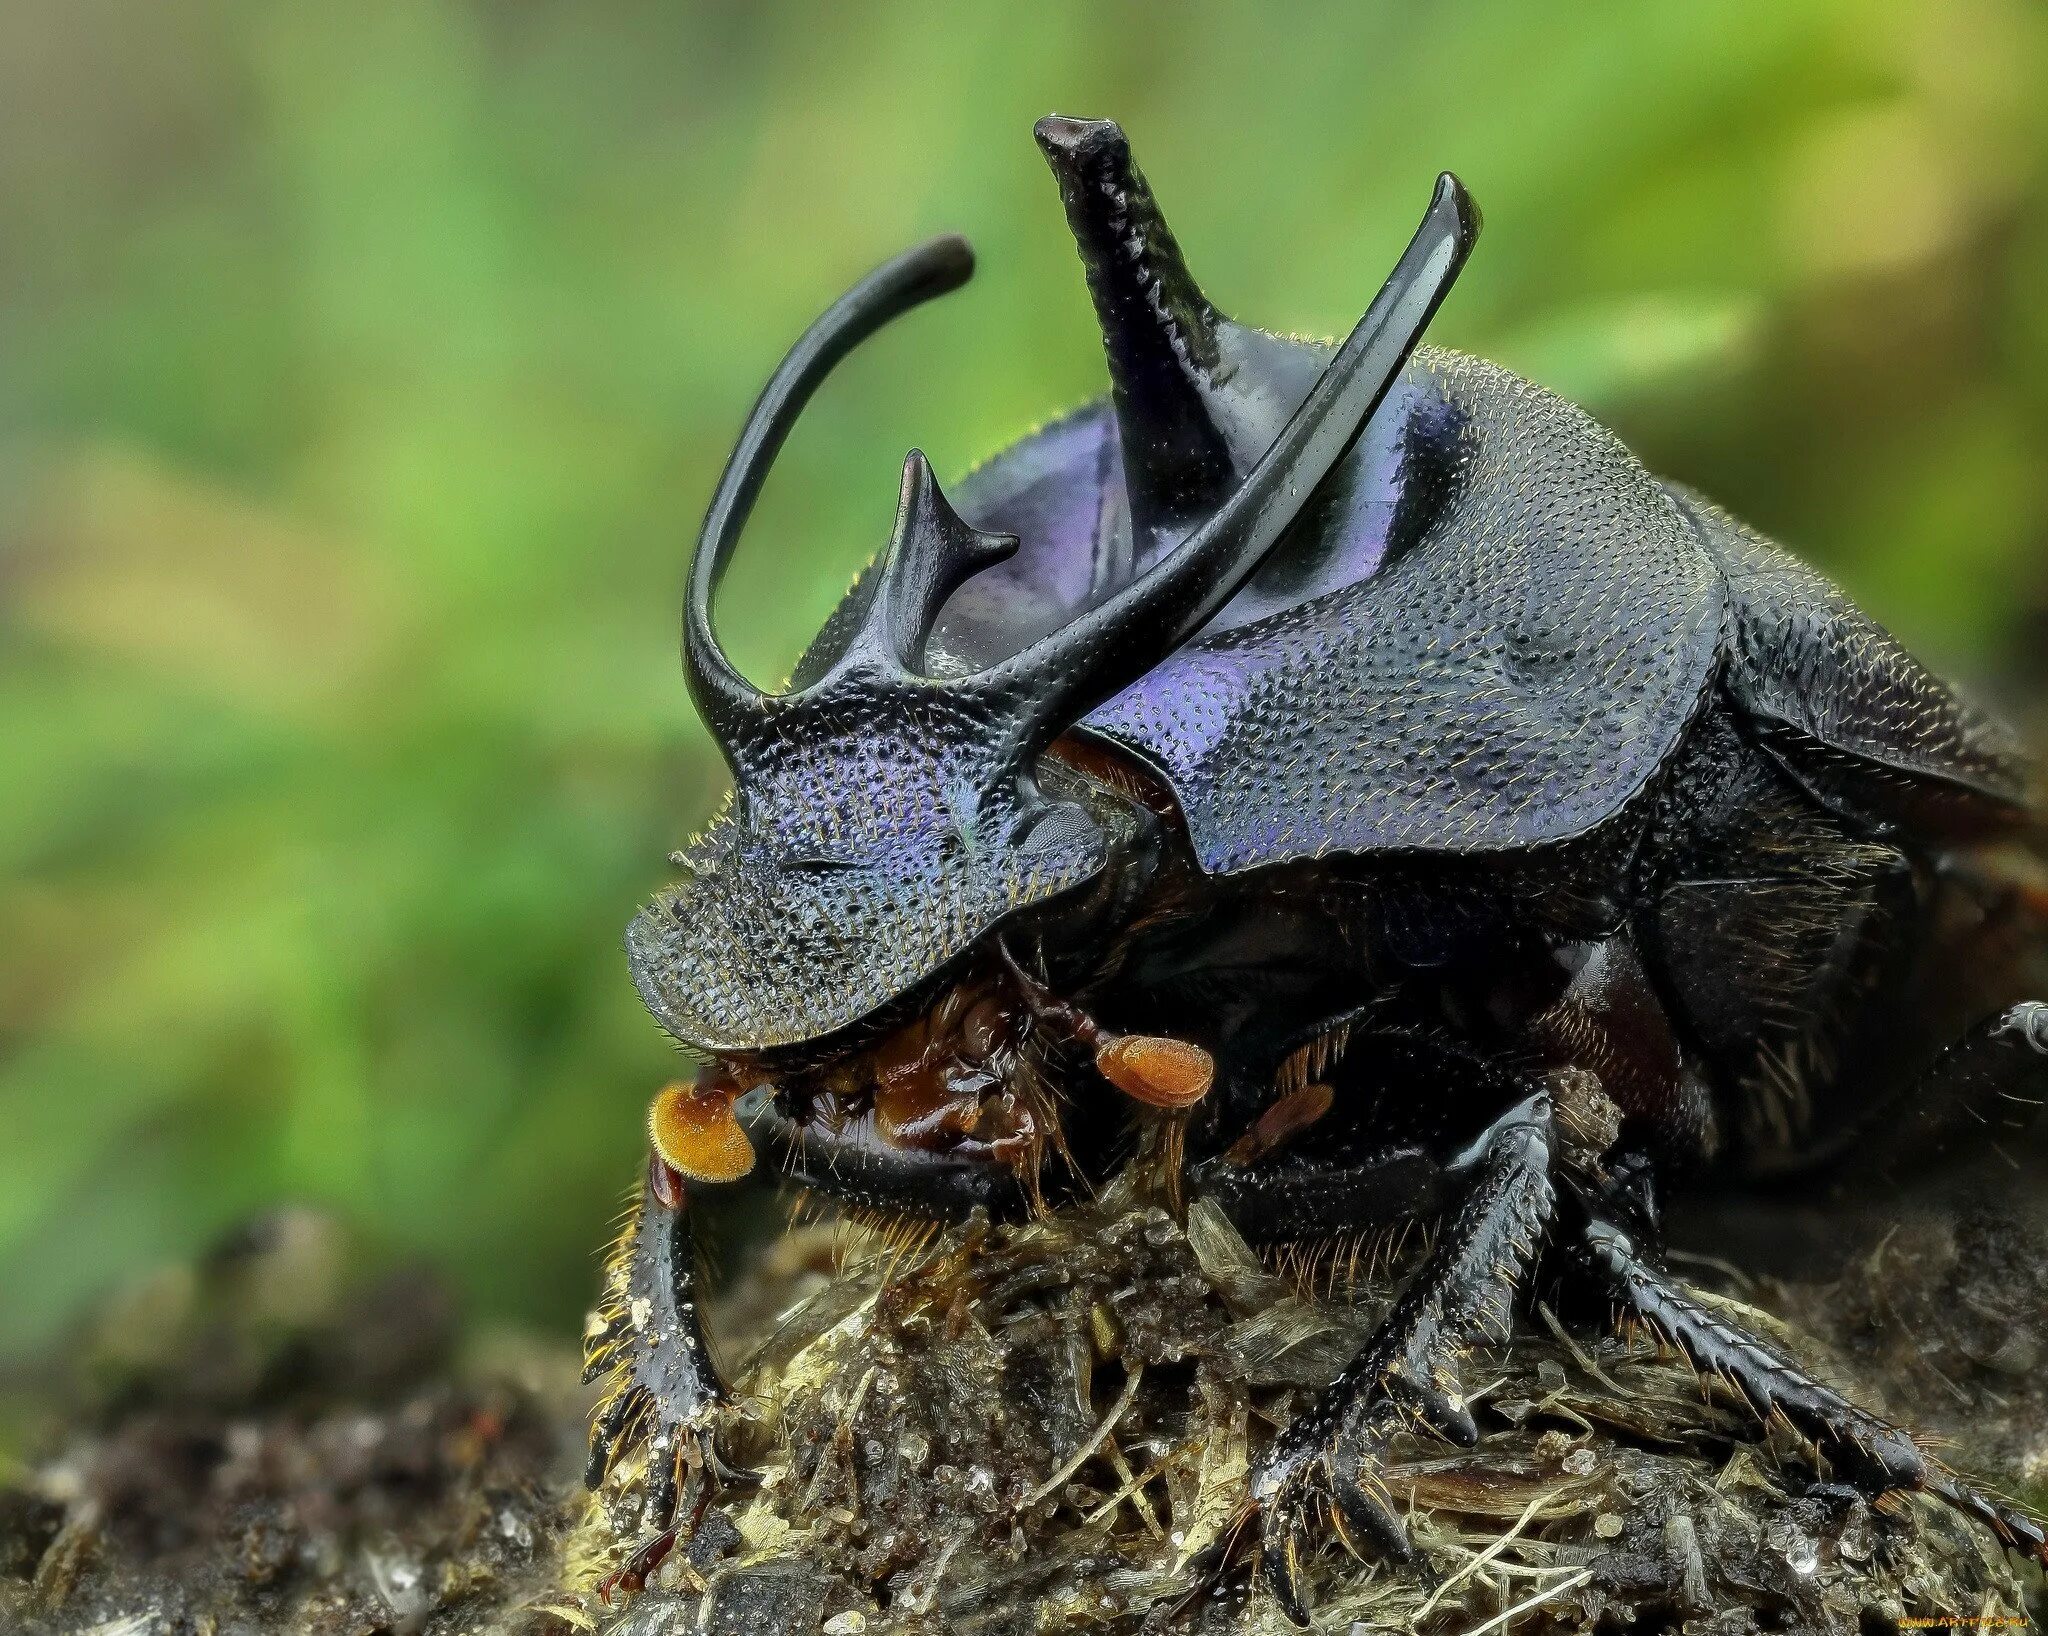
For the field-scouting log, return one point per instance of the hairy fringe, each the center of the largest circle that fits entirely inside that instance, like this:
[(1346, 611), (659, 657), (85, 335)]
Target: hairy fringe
[(1307, 1063), (1318, 1267)]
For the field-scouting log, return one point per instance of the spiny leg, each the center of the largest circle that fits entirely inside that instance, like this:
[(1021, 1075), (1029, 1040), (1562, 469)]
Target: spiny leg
[(1864, 1450), (1406, 1376), (1986, 1088), (647, 1337)]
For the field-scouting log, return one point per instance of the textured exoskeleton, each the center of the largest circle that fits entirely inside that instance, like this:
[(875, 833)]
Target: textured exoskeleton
[(1355, 759)]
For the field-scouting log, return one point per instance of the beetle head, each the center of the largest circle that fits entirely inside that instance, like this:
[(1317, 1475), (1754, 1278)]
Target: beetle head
[(882, 818), (885, 819)]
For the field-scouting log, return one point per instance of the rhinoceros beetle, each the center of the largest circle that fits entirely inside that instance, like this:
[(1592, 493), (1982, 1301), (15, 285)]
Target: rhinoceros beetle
[(1354, 761)]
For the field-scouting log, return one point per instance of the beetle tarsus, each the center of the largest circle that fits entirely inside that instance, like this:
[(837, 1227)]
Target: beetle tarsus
[(1859, 1448), (1406, 1377), (2013, 1528), (631, 1576)]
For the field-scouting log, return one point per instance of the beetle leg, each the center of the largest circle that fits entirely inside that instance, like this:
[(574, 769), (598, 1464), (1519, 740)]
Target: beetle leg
[(647, 1340), (1406, 1377), (1869, 1453), (1271, 1206), (1988, 1085)]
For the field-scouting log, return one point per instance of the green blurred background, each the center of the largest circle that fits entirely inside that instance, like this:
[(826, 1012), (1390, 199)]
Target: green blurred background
[(364, 368)]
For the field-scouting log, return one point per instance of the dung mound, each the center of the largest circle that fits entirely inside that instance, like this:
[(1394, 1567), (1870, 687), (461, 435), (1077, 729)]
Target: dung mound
[(1036, 1429)]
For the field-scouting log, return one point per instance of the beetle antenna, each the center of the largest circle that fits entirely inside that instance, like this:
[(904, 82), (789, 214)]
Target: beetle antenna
[(727, 699), (1158, 329)]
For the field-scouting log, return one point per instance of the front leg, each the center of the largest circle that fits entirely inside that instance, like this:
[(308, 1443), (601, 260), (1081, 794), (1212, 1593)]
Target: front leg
[(1406, 1376), (647, 1339)]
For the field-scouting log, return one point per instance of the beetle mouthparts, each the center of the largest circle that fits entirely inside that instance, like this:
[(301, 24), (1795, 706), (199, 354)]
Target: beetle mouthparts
[(1159, 1072), (694, 1132)]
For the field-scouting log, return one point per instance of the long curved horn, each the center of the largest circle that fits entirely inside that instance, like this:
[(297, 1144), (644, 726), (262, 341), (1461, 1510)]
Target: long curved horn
[(1061, 676), (725, 697)]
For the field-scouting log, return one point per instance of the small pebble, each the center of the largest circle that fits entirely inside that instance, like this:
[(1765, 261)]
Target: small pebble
[(844, 1624), (1607, 1525)]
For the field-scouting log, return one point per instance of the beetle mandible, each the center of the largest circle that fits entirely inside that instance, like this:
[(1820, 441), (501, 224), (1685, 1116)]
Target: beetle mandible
[(1356, 759)]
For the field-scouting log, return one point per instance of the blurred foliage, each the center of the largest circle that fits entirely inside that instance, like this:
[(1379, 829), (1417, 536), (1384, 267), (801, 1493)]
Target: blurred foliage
[(363, 369)]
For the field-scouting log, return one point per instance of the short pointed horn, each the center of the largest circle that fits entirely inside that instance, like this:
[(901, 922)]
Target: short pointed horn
[(1158, 329), (932, 552), (726, 698), (1063, 675)]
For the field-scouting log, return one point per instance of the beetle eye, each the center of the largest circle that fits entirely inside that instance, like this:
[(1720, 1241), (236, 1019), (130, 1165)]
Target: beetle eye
[(819, 863), (983, 1031), (1057, 828)]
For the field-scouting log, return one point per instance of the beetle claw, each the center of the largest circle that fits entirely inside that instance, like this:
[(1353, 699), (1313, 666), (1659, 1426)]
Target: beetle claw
[(631, 1576), (1362, 1510), (1328, 1465), (1444, 1412), (1341, 1481), (1280, 1563)]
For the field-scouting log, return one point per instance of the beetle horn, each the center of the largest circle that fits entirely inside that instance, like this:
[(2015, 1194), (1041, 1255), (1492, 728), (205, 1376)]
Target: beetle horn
[(1158, 329), (1106, 648), (725, 697), (931, 553)]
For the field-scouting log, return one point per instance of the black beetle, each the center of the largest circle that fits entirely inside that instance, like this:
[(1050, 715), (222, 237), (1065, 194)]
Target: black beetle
[(1360, 761)]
